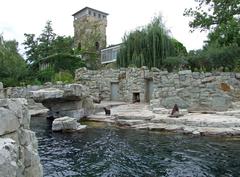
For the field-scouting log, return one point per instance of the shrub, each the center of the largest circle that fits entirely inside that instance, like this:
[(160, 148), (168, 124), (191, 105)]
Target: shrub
[(64, 76)]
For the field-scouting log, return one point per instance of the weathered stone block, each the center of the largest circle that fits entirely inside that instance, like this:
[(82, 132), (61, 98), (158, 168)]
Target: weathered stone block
[(237, 75), (208, 79), (185, 72), (9, 121)]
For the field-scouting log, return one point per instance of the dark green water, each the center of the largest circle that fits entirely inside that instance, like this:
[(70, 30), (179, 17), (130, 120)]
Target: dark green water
[(107, 151)]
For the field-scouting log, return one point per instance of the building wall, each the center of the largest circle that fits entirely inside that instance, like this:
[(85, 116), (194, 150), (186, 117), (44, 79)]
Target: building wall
[(109, 55), (88, 30), (184, 88)]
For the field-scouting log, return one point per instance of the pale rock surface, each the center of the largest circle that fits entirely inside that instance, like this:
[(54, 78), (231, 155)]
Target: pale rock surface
[(18, 144), (8, 157), (67, 124), (140, 116)]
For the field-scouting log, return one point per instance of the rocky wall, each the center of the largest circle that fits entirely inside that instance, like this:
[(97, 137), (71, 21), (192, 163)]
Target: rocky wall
[(215, 90), (18, 144), (1, 90)]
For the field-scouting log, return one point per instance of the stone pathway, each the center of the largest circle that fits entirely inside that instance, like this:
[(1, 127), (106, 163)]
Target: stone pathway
[(139, 116)]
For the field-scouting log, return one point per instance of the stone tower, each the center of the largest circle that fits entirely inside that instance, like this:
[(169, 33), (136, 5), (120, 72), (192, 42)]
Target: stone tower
[(90, 29)]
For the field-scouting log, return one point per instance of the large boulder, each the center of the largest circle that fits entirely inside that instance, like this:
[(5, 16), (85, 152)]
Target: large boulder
[(67, 124)]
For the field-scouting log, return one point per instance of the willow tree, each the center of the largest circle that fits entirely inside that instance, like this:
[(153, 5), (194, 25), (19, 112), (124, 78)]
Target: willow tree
[(148, 46)]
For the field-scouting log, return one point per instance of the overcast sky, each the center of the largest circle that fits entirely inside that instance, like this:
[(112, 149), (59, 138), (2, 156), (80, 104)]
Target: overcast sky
[(29, 16)]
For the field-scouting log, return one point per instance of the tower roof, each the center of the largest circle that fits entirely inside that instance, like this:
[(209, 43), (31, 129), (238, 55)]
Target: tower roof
[(85, 8)]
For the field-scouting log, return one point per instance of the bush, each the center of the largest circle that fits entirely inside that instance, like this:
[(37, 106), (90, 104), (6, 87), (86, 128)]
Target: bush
[(174, 63), (46, 75), (215, 59), (64, 76)]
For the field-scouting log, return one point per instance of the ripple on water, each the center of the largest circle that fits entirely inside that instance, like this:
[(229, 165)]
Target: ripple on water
[(106, 151)]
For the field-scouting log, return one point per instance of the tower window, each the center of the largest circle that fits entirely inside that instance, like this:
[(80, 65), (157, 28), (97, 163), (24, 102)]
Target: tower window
[(97, 45)]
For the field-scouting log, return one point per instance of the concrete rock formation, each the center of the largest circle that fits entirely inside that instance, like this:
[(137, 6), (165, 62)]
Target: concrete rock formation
[(67, 124), (68, 100), (18, 144)]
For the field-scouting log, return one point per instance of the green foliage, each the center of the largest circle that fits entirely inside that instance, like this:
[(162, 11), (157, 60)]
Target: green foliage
[(63, 45), (225, 34), (46, 39), (30, 46), (64, 76), (221, 17), (12, 66), (110, 66), (46, 75), (48, 49), (215, 59), (46, 44), (60, 62), (175, 63), (149, 46)]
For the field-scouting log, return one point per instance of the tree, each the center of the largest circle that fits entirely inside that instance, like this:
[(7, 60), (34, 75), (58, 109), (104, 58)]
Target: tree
[(12, 66), (63, 45), (220, 17), (40, 47), (46, 40), (31, 47), (149, 46), (49, 54)]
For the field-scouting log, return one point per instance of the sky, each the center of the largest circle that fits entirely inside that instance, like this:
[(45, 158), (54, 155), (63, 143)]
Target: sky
[(29, 16)]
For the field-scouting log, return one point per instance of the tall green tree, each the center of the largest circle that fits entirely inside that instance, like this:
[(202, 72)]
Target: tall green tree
[(31, 47), (220, 17), (46, 39), (46, 44), (149, 46)]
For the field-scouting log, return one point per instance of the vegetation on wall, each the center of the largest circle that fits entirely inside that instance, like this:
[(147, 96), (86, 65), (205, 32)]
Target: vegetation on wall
[(149, 46)]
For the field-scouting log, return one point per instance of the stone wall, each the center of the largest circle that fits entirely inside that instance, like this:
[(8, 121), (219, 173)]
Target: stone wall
[(18, 144), (216, 90), (88, 30)]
